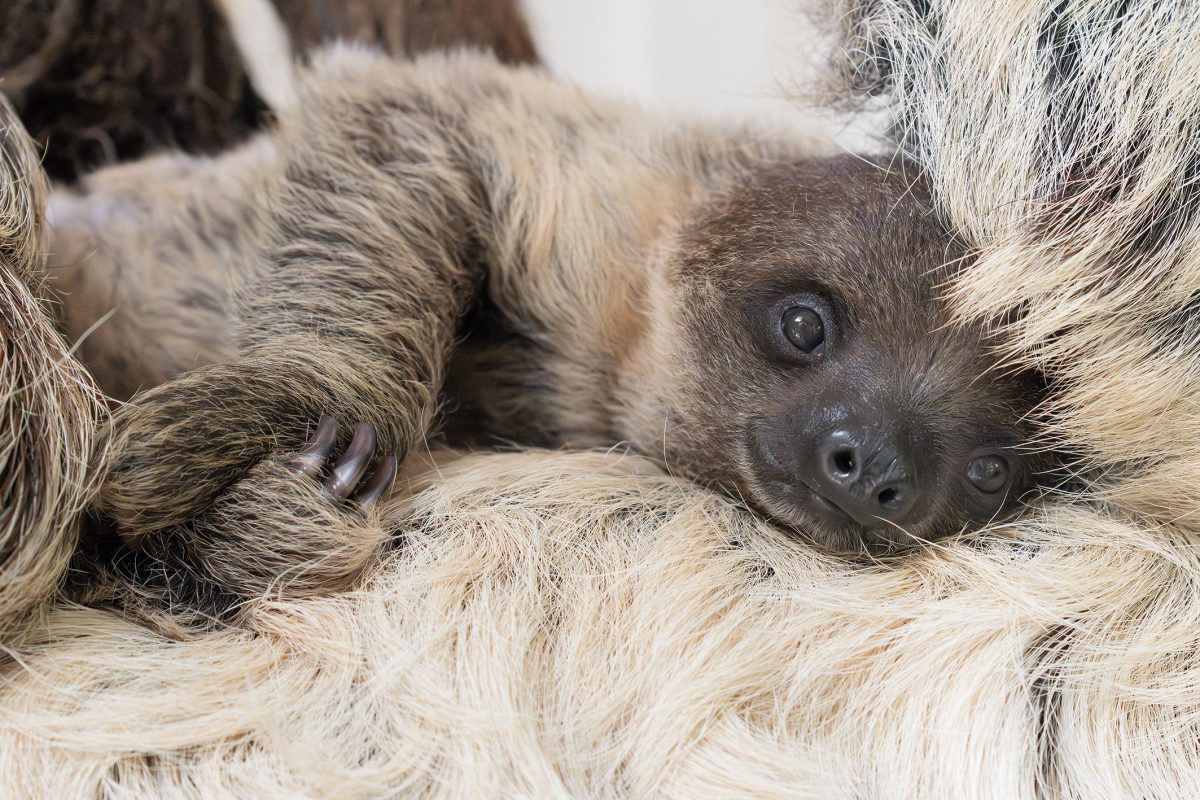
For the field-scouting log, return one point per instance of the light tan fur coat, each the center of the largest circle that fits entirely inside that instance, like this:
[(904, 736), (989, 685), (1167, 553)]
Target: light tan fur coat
[(580, 625)]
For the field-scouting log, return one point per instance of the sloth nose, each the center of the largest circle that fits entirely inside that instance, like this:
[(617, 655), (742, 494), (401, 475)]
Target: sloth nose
[(868, 476)]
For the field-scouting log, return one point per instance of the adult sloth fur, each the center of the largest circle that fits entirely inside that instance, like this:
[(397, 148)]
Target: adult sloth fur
[(573, 626), (48, 405), (1064, 141), (580, 625)]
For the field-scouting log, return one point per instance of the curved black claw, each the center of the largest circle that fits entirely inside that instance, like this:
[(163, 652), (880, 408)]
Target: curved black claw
[(381, 480), (345, 475), (349, 469), (311, 459)]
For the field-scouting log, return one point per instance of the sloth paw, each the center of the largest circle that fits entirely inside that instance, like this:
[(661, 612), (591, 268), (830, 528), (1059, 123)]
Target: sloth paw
[(345, 477), (300, 524)]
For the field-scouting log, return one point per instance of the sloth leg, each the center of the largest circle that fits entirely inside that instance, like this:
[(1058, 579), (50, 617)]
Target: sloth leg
[(387, 205), (284, 530), (352, 306), (180, 447)]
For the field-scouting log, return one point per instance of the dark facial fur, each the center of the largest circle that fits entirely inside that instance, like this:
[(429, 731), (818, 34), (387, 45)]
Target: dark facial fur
[(871, 439)]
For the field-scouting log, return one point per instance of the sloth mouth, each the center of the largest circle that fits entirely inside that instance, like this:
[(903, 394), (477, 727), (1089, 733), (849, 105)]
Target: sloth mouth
[(800, 507), (796, 505), (792, 502), (788, 490), (776, 490), (831, 509)]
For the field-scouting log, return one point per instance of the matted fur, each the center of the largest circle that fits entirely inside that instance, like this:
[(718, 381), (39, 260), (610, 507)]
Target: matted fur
[(48, 405), (555, 625), (146, 294)]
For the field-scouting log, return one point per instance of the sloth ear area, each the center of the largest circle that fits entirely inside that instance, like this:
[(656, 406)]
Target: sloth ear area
[(347, 473)]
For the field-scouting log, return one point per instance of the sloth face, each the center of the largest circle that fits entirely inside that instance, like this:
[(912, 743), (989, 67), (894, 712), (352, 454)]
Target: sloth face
[(825, 381)]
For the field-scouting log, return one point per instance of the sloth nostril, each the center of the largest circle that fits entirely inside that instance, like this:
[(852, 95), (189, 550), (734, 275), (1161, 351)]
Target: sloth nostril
[(843, 462), (870, 477)]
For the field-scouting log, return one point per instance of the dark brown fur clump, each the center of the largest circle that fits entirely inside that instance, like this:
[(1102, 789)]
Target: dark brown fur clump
[(410, 27), (107, 81)]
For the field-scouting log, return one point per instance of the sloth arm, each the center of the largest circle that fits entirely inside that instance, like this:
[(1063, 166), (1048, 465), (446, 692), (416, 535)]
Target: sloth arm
[(396, 184)]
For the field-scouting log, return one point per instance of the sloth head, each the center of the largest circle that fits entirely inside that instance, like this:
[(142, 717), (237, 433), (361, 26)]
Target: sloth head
[(823, 379)]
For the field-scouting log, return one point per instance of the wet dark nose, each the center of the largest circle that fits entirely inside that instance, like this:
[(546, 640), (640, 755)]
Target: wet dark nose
[(868, 475)]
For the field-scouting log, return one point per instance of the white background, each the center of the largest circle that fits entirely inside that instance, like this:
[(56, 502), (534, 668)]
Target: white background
[(699, 57)]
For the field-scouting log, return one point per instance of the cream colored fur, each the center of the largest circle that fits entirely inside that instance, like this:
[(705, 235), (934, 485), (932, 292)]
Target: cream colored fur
[(580, 626), (1061, 138)]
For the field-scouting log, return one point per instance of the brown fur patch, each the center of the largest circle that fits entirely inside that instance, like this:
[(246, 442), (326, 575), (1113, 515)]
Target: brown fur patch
[(49, 409), (107, 81)]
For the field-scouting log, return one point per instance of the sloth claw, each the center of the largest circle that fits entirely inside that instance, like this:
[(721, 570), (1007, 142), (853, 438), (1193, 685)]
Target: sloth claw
[(309, 461), (349, 469), (380, 482)]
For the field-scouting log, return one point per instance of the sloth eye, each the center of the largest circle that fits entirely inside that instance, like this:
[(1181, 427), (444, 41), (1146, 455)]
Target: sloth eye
[(988, 473), (804, 328)]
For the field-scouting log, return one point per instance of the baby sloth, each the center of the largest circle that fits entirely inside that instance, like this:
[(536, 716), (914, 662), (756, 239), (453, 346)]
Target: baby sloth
[(460, 247)]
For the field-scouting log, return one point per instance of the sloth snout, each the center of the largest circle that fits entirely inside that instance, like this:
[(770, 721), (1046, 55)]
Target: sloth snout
[(868, 475)]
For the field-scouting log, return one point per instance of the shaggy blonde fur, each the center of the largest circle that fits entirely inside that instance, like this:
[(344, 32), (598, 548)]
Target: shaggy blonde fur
[(48, 406), (581, 626), (578, 625)]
